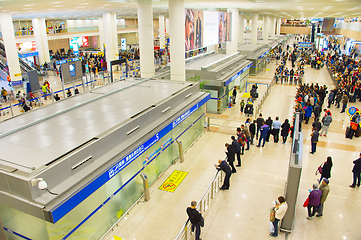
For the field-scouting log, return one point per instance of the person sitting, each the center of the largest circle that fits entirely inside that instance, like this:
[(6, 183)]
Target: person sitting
[(76, 91), (56, 97), (68, 93)]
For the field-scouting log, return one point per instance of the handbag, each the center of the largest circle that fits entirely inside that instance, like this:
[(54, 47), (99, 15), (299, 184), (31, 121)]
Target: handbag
[(272, 215), (305, 204), (201, 223), (319, 169)]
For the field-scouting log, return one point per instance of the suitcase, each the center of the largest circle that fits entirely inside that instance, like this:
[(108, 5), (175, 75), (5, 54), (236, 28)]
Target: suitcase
[(348, 132), (358, 132), (248, 109)]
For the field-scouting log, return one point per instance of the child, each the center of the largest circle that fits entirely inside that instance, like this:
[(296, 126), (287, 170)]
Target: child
[(242, 105)]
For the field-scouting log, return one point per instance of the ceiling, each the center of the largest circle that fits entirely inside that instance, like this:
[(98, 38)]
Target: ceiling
[(65, 9)]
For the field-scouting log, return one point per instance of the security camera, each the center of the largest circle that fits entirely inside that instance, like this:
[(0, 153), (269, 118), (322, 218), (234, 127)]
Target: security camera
[(42, 185)]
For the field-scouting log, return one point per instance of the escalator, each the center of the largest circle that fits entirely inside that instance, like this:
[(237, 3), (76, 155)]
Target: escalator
[(24, 66)]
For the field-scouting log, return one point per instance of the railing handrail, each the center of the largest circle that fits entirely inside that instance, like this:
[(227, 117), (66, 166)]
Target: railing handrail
[(199, 201)]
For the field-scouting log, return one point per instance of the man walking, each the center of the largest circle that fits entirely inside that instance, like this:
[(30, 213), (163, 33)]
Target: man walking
[(195, 217), (230, 156), (356, 172), (314, 139), (315, 198), (222, 165), (325, 189), (247, 134), (276, 129), (237, 150)]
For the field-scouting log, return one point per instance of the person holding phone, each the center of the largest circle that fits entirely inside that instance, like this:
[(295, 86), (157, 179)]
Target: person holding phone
[(195, 217), (280, 211), (222, 165)]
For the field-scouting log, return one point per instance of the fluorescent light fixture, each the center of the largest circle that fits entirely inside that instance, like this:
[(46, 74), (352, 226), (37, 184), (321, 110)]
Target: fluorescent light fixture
[(28, 5)]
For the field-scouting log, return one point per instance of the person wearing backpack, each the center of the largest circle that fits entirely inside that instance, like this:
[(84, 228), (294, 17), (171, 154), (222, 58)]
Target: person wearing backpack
[(326, 124), (195, 217)]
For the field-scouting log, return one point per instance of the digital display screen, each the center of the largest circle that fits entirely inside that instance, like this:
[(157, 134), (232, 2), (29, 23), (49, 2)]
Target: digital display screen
[(72, 70)]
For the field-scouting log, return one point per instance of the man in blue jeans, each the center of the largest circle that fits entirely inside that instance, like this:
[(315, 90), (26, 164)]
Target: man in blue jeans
[(195, 217), (314, 139), (264, 130)]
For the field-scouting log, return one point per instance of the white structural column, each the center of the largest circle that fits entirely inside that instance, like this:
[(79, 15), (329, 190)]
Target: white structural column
[(146, 39), (241, 28), (8, 36), (254, 28), (273, 27), (233, 44), (177, 35), (265, 28), (41, 40), (161, 32), (167, 25), (278, 26), (101, 33), (111, 37)]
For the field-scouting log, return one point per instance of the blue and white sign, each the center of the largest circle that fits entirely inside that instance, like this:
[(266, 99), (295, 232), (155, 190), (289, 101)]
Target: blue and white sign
[(226, 83), (123, 44), (25, 55), (263, 55), (60, 211), (69, 60)]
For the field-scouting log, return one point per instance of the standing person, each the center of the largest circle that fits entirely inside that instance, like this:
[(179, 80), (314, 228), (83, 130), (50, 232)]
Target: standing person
[(344, 103), (247, 135), (285, 129), (325, 189), (326, 169), (4, 94), (222, 165), (276, 129), (237, 149), (314, 139), (242, 105), (326, 124), (260, 122), (308, 113), (195, 217), (315, 199), (269, 123), (356, 172), (280, 211), (316, 124), (230, 156), (317, 110), (252, 130), (234, 94), (264, 130)]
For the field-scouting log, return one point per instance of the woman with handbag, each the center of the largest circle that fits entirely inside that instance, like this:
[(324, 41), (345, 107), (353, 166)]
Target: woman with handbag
[(326, 169), (280, 211)]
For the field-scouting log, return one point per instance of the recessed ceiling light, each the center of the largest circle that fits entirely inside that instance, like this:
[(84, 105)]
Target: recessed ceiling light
[(83, 3), (80, 7), (55, 2), (28, 5), (101, 7), (58, 6), (106, 5), (14, 11)]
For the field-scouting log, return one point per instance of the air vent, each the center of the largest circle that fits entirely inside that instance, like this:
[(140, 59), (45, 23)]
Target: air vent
[(81, 163), (165, 110), (133, 130), (139, 113)]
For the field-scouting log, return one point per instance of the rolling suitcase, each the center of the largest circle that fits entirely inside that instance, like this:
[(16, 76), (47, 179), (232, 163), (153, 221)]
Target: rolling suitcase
[(358, 132), (348, 132)]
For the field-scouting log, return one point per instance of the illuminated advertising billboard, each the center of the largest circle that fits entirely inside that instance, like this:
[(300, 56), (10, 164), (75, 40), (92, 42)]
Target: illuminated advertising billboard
[(206, 28)]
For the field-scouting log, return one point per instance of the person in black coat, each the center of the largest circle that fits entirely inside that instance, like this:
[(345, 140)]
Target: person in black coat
[(356, 172), (252, 130), (285, 128), (222, 165), (195, 217), (269, 122), (237, 150), (326, 169), (230, 156)]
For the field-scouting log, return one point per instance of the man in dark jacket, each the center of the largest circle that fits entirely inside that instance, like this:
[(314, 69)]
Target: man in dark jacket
[(230, 156), (356, 172), (237, 150), (264, 131), (259, 121), (234, 95), (222, 165), (195, 217)]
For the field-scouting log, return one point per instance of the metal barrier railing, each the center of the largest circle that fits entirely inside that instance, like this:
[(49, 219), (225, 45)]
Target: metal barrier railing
[(204, 204), (259, 105), (227, 126)]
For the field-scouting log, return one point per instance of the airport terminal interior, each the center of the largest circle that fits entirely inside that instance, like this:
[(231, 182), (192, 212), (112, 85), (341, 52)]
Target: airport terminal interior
[(114, 116)]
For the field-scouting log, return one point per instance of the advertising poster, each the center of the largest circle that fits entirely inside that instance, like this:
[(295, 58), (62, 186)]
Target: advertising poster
[(85, 41), (210, 32), (189, 30), (206, 28), (198, 26)]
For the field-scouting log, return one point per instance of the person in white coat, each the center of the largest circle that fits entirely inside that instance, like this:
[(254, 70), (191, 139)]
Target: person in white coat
[(280, 211)]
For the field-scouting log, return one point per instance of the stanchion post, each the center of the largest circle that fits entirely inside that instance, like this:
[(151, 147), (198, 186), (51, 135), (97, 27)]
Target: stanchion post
[(11, 107)]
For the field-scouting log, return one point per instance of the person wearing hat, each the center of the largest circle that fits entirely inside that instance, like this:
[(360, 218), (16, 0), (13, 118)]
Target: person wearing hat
[(325, 189), (315, 198)]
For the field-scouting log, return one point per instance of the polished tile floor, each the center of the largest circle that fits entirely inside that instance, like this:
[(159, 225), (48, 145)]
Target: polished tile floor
[(243, 211)]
